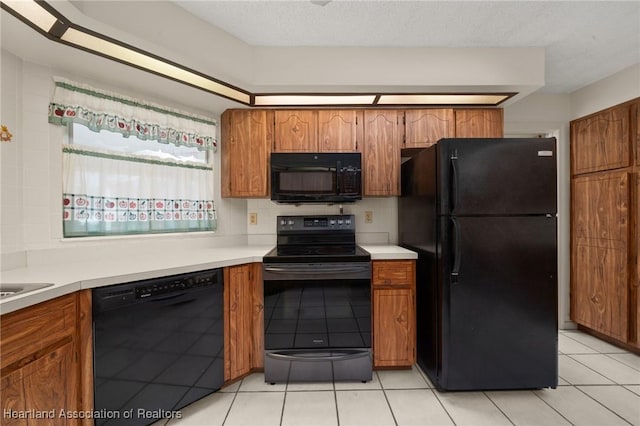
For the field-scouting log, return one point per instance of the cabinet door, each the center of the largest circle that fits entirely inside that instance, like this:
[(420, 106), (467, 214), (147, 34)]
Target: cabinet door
[(238, 319), (424, 127), (246, 144), (479, 123), (296, 131), (257, 316), (43, 385), (381, 153), (635, 282), (637, 135), (600, 142), (393, 325), (600, 247), (339, 130)]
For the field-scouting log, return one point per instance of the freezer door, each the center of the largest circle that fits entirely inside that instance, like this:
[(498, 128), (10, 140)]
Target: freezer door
[(497, 176), (499, 313)]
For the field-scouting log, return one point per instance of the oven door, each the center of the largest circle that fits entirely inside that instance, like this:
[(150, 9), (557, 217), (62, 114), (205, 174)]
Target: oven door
[(317, 321)]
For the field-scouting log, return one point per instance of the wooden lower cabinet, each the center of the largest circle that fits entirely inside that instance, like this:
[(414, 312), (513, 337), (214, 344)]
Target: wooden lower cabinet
[(243, 326), (600, 246), (394, 313), (43, 386), (40, 366)]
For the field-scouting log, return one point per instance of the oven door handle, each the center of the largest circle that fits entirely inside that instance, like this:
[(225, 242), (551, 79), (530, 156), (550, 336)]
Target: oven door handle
[(315, 270), (297, 356)]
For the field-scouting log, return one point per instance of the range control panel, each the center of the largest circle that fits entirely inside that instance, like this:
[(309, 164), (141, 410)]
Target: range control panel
[(321, 224)]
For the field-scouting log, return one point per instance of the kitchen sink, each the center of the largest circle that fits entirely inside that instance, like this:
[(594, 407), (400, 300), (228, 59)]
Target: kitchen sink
[(15, 289)]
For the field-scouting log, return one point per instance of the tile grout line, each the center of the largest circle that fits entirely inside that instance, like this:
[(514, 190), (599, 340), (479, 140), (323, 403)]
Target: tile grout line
[(591, 347), (384, 393), (589, 396), (609, 355), (595, 371), (499, 409), (235, 395), (550, 406), (433, 391), (335, 400)]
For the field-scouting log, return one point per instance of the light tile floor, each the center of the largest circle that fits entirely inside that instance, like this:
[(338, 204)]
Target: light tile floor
[(599, 386)]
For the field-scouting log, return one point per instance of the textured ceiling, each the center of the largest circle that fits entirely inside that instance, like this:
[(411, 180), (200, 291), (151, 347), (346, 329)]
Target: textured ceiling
[(583, 41)]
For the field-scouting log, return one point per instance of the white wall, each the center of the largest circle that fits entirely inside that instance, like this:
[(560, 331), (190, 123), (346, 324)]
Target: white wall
[(549, 114), (382, 230), (11, 159), (610, 91), (31, 214)]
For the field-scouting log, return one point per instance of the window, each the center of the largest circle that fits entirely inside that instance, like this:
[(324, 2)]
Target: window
[(152, 179)]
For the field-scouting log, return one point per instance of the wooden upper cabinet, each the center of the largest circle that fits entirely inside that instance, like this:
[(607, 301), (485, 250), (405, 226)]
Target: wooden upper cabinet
[(600, 252), (424, 127), (479, 123), (381, 153), (340, 130), (246, 141), (296, 131), (601, 141)]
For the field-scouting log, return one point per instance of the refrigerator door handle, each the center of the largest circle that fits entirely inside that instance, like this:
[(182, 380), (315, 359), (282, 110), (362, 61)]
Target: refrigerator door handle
[(453, 184), (455, 270)]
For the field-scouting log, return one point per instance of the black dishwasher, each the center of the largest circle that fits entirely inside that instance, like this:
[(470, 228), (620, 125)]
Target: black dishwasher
[(158, 346)]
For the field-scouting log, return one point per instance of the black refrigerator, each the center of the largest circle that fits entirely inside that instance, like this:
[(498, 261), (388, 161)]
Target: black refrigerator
[(481, 214)]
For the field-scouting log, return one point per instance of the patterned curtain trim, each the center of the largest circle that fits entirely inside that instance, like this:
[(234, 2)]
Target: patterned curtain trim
[(69, 149), (101, 110), (64, 114), (132, 102), (88, 215)]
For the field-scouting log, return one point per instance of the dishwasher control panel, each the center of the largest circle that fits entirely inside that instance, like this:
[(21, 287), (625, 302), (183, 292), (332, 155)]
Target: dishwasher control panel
[(155, 289)]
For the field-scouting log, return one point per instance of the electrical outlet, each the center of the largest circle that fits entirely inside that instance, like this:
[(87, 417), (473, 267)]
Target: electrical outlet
[(368, 217), (253, 218)]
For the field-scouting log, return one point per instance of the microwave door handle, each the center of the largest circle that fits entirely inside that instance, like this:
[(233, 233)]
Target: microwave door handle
[(338, 176)]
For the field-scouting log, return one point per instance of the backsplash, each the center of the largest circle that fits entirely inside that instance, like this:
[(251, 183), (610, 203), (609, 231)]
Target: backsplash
[(383, 228)]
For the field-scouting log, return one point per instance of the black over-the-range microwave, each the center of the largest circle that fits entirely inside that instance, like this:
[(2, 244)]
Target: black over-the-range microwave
[(324, 177)]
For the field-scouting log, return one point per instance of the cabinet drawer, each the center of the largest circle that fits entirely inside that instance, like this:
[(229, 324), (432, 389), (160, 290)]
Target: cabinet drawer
[(393, 272), (29, 330)]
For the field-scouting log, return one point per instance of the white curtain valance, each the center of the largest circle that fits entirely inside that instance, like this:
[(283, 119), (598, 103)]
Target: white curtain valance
[(101, 110)]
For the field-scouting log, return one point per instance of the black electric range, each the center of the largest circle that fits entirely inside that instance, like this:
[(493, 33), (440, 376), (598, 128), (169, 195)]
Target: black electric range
[(316, 239), (317, 302)]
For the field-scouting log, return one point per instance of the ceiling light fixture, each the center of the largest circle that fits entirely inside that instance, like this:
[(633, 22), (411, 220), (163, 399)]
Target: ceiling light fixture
[(33, 12), (113, 49), (48, 21), (301, 99), (444, 99)]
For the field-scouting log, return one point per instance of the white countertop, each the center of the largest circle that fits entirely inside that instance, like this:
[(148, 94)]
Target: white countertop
[(69, 277)]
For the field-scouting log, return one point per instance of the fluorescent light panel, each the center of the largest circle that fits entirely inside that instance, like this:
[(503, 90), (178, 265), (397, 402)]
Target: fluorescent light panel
[(301, 99), (442, 99), (122, 53), (34, 13)]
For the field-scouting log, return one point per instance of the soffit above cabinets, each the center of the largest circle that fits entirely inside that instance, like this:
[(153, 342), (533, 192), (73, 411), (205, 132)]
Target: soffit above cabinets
[(196, 45)]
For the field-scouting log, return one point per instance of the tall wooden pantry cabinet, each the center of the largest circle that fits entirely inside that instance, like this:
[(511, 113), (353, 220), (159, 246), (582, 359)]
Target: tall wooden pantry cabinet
[(605, 223)]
